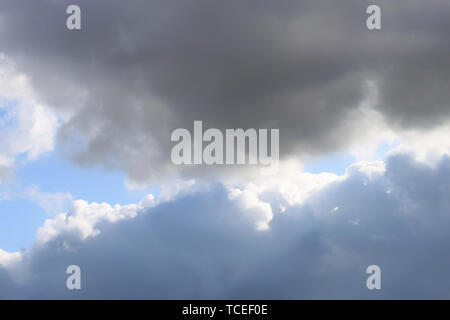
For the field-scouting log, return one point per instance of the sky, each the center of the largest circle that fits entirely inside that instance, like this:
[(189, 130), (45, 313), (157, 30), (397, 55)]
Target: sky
[(86, 176)]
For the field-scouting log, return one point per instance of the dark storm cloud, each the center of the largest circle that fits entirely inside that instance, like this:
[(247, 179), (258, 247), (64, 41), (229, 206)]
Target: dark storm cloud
[(139, 69), (203, 246)]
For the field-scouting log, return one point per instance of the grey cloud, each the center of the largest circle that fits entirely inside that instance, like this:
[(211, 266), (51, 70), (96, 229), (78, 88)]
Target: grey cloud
[(140, 69), (8, 286), (201, 246), (5, 172)]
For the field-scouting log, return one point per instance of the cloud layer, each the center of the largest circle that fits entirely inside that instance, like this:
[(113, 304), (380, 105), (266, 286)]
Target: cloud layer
[(112, 93), (206, 244), (140, 69)]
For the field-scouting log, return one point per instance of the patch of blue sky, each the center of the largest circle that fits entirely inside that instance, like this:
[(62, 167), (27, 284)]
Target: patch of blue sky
[(384, 149), (53, 174), (335, 163), (7, 119), (20, 219)]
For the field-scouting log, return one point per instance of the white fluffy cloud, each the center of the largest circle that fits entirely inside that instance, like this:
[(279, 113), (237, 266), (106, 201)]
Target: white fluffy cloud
[(82, 219), (27, 127), (427, 145), (9, 258)]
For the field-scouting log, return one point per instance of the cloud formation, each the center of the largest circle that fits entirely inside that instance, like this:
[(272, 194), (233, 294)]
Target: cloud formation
[(113, 92), (140, 69), (207, 245), (27, 126)]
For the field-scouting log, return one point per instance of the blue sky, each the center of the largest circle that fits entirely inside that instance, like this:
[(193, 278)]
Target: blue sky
[(7, 120), (336, 163), (51, 173)]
